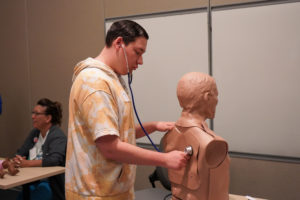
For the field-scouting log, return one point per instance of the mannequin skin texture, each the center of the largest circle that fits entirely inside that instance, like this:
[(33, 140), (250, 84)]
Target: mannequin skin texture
[(10, 166), (2, 173), (206, 176)]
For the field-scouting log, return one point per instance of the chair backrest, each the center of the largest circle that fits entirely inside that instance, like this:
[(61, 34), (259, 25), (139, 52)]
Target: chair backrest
[(161, 173)]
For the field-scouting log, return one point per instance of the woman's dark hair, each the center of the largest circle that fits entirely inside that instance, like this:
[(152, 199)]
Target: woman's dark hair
[(127, 29), (52, 108)]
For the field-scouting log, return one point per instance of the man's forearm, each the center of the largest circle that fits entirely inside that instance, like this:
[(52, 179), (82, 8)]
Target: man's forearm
[(150, 127), (111, 147), (126, 153)]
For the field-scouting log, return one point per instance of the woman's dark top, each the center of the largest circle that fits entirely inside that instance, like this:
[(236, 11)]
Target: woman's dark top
[(54, 154)]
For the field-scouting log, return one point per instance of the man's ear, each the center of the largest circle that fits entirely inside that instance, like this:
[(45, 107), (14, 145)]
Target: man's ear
[(118, 42)]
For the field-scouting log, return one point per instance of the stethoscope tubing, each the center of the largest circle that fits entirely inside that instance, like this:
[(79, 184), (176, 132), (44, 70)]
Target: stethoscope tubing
[(136, 114), (133, 103)]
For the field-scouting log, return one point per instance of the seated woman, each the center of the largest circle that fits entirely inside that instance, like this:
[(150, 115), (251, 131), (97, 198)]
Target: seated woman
[(44, 147)]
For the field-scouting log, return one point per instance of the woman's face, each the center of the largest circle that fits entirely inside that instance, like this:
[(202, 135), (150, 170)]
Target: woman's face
[(39, 117)]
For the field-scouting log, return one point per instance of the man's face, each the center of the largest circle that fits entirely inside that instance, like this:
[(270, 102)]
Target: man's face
[(39, 117), (134, 51)]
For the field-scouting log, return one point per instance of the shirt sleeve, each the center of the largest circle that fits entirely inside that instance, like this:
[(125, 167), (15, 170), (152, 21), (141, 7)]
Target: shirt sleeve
[(54, 148), (100, 113), (28, 144)]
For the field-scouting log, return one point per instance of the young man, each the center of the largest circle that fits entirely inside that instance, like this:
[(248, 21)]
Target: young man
[(101, 150)]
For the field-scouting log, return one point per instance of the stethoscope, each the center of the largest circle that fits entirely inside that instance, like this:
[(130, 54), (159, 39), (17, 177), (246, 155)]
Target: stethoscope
[(188, 150), (132, 97)]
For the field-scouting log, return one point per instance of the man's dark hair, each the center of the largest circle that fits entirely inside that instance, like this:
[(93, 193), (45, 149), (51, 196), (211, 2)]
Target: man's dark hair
[(127, 29), (52, 108)]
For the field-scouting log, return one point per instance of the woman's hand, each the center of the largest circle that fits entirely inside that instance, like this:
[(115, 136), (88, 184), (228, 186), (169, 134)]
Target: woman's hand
[(20, 161)]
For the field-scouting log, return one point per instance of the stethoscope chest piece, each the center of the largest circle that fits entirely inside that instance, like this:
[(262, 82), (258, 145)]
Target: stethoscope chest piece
[(188, 150)]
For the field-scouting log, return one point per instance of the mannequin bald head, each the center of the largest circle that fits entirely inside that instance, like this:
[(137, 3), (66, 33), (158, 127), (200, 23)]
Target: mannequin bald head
[(197, 92)]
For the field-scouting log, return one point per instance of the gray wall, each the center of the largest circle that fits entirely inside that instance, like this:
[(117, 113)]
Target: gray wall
[(248, 45), (41, 41)]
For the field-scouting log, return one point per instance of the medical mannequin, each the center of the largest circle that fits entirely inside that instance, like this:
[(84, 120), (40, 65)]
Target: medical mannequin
[(206, 176), (10, 166)]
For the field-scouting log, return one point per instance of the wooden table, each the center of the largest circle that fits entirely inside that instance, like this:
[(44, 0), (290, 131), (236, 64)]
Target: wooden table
[(29, 174)]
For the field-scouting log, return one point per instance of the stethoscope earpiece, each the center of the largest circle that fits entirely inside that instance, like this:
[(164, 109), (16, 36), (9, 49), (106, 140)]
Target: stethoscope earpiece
[(128, 72)]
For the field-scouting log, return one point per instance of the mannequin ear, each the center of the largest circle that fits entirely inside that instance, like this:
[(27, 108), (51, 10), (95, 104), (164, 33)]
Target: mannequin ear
[(206, 96)]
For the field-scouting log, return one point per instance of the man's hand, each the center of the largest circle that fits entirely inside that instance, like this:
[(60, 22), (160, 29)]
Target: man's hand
[(164, 126), (176, 159), (153, 126)]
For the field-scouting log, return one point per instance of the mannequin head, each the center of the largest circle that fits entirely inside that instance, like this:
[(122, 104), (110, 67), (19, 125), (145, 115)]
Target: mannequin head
[(197, 93), (206, 175)]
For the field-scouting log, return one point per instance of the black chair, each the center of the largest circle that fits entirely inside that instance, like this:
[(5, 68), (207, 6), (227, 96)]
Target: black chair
[(160, 173)]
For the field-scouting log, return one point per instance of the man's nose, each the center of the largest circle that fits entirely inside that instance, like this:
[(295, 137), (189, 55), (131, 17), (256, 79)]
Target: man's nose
[(140, 60)]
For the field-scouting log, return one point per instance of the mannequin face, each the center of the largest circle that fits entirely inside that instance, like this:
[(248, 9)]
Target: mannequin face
[(212, 101)]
